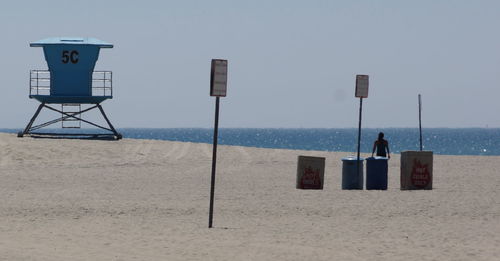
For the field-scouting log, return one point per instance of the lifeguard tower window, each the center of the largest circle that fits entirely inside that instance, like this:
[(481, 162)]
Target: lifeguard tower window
[(71, 79)]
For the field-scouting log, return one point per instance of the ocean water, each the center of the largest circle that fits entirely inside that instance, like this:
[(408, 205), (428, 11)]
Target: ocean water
[(468, 141)]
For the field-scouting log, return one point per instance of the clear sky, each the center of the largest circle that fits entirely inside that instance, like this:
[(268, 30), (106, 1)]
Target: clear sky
[(291, 63)]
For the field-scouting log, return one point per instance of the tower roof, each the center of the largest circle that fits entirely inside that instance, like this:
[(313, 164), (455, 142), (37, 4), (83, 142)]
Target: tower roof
[(71, 40)]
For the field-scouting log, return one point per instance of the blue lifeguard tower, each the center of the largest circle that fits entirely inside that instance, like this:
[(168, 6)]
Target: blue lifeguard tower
[(71, 82)]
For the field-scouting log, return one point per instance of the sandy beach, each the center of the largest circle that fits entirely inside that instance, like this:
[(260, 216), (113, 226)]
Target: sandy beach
[(148, 200)]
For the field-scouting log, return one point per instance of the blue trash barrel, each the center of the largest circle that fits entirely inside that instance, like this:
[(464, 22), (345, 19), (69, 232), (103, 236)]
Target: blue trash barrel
[(376, 173), (351, 179)]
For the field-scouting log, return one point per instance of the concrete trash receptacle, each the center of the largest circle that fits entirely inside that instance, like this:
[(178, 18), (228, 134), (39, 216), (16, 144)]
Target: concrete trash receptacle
[(310, 172), (376, 173), (416, 170), (351, 179)]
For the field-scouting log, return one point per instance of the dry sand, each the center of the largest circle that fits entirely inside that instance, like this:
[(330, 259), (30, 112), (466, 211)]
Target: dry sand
[(148, 200)]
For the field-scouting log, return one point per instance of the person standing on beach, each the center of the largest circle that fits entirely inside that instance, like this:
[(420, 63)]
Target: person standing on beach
[(382, 146)]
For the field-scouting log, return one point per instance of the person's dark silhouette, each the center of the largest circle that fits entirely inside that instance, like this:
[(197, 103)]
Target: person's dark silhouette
[(381, 146)]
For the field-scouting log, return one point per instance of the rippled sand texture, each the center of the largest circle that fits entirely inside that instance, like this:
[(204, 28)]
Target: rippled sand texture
[(148, 200)]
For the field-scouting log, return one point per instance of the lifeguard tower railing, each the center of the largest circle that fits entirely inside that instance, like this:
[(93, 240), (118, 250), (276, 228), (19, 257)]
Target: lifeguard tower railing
[(102, 83)]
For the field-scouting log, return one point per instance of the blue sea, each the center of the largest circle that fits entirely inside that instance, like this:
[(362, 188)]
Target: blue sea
[(466, 141)]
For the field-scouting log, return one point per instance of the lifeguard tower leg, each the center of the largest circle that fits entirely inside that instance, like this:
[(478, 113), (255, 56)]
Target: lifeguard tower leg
[(118, 135), (28, 127)]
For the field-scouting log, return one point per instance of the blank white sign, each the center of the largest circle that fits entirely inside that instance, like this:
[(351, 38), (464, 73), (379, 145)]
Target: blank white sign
[(218, 78), (361, 86)]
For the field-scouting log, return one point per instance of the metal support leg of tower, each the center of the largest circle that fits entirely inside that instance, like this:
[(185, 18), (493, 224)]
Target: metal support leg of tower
[(28, 127), (118, 135)]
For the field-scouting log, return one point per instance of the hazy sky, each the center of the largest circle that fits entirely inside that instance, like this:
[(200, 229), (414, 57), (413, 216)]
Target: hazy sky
[(291, 63)]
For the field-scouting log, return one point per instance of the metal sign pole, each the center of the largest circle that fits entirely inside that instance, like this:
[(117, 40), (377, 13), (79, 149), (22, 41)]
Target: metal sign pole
[(218, 88), (214, 162), (420, 119), (359, 131), (361, 92)]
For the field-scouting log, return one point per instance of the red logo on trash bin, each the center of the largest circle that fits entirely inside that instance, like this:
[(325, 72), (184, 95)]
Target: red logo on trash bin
[(420, 176), (310, 179)]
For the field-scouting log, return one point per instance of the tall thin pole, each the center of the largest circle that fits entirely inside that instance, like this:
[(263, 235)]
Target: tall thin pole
[(359, 132), (420, 120), (214, 161)]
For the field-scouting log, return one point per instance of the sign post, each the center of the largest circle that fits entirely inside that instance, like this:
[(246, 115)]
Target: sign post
[(218, 88), (420, 119), (361, 92)]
